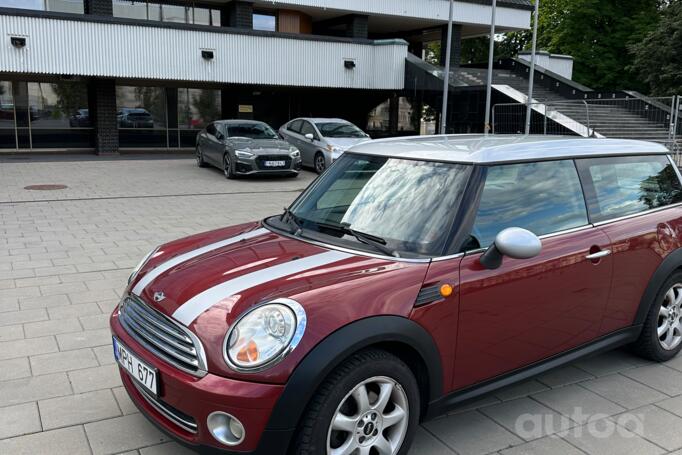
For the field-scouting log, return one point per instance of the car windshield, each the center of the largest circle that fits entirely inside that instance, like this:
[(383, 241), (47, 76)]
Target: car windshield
[(339, 129), (251, 131), (406, 205)]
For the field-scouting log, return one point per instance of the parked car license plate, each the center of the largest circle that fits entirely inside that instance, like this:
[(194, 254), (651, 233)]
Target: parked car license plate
[(274, 163), (140, 371)]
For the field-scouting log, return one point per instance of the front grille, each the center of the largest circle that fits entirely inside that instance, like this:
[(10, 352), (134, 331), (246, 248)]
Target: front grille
[(260, 161), (162, 336), (176, 416)]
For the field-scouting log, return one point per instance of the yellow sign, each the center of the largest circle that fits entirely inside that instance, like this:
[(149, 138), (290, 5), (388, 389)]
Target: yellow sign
[(245, 109)]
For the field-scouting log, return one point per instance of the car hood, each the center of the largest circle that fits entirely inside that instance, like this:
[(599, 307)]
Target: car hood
[(207, 281), (346, 142), (260, 146)]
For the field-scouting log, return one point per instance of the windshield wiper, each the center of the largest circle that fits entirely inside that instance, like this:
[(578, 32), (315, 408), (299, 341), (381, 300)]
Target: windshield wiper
[(289, 218), (378, 243)]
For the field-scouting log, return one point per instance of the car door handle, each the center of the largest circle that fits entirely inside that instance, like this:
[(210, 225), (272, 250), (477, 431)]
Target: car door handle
[(598, 255)]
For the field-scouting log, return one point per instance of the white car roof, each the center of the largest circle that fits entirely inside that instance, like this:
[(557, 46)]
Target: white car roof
[(322, 120), (480, 149)]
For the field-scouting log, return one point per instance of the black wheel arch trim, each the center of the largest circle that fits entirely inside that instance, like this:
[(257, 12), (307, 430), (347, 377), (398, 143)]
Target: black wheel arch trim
[(672, 262), (331, 351)]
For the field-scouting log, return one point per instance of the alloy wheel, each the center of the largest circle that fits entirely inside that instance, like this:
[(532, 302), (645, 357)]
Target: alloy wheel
[(227, 167), (669, 329), (372, 419), (320, 163)]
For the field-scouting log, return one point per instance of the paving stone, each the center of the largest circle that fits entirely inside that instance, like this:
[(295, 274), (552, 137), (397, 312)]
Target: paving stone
[(173, 448), (66, 441), (19, 419), (658, 377), (63, 361), (578, 403), (559, 377), (673, 405), (478, 403), (623, 391), (98, 321), (608, 363), (654, 424), (88, 338), (14, 369), (78, 409), (472, 433), (73, 311), (27, 347), (106, 436), (20, 317), (33, 389), (44, 301), (93, 296), (604, 437), (44, 328), (424, 443), (124, 402), (104, 354), (545, 446), (527, 418), (11, 332), (103, 377)]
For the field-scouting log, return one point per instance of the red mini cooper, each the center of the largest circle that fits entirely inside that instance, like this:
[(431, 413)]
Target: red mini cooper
[(411, 276)]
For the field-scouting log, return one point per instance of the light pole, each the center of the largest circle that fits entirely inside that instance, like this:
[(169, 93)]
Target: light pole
[(529, 108), (446, 74), (489, 85)]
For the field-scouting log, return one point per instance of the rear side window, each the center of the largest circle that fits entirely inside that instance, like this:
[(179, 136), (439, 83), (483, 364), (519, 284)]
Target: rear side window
[(295, 126), (307, 128), (544, 197), (622, 186)]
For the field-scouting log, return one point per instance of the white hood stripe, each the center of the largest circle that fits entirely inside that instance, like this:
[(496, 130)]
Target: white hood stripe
[(165, 266), (195, 306)]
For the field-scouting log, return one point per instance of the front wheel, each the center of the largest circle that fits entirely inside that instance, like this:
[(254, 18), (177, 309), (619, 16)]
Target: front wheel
[(200, 157), (227, 167), (661, 337), (369, 405), (320, 163)]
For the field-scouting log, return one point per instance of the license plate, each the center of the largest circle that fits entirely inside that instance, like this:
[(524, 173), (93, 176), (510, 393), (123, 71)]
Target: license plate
[(138, 370), (274, 163)]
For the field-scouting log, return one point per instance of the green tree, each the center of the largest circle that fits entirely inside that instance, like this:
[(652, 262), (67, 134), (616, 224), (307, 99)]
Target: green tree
[(597, 33), (657, 59)]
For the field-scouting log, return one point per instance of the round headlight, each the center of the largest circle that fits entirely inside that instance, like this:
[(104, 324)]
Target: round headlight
[(264, 335)]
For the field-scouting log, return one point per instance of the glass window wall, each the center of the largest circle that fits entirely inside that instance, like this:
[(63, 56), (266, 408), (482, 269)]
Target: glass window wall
[(135, 9), (196, 109), (60, 6), (141, 116), (265, 21)]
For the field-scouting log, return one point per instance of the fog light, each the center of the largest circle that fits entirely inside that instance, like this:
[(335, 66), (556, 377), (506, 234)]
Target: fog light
[(226, 429)]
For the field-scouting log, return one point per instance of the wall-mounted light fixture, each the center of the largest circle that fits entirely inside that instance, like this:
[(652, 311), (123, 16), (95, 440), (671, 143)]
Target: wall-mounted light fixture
[(18, 41), (207, 55), (349, 64)]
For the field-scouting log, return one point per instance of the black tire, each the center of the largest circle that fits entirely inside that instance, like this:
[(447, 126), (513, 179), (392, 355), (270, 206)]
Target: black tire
[(314, 427), (319, 163), (200, 157), (227, 168), (649, 345)]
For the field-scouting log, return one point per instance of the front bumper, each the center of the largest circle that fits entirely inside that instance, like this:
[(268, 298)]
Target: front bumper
[(192, 398), (256, 165)]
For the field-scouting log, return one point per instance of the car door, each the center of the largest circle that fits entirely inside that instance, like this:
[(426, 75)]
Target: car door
[(213, 149), (634, 200), (292, 134), (309, 147), (528, 310)]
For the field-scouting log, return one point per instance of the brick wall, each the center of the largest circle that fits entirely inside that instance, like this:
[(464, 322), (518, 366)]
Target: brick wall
[(102, 94), (238, 14), (357, 26)]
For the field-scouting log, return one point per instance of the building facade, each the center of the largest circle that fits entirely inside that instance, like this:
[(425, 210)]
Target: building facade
[(110, 75)]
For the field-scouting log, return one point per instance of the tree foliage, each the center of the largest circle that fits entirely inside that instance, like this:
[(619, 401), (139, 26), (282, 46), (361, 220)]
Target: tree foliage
[(657, 58)]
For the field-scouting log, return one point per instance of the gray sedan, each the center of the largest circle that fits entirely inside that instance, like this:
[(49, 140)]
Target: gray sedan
[(321, 140), (246, 147)]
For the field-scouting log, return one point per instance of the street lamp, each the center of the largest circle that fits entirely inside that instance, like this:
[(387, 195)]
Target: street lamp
[(529, 108), (489, 85), (446, 74)]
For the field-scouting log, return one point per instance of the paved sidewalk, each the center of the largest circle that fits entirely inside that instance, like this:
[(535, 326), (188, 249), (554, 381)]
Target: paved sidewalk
[(65, 256)]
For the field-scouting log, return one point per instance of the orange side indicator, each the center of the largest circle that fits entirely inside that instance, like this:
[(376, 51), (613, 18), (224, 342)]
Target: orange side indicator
[(446, 290), (248, 353)]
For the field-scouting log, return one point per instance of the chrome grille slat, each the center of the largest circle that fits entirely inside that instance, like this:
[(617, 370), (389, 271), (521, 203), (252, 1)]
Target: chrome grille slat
[(183, 421), (160, 345), (162, 336)]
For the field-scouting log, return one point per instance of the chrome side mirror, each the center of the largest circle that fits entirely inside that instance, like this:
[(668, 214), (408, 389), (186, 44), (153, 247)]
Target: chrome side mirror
[(515, 243), (309, 136)]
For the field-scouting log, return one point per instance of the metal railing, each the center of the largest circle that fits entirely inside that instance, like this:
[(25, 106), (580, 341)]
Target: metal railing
[(634, 117)]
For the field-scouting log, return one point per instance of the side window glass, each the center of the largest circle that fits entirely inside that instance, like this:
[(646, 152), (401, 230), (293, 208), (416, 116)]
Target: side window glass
[(542, 197), (622, 186), (295, 126), (210, 129), (307, 128)]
